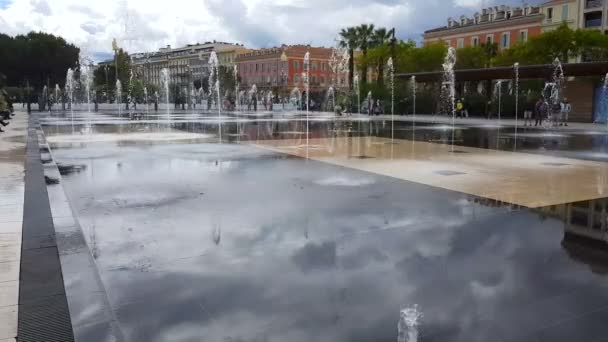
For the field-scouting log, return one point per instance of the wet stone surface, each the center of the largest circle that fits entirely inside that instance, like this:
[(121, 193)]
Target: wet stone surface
[(197, 240)]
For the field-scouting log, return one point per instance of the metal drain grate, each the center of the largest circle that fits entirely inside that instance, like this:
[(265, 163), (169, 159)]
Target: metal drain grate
[(556, 164), (449, 173)]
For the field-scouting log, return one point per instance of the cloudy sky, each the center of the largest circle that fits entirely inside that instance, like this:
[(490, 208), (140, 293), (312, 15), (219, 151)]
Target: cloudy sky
[(141, 25)]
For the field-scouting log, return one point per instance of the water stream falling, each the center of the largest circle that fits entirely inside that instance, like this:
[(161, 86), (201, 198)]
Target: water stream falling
[(449, 81), (215, 84), (407, 328)]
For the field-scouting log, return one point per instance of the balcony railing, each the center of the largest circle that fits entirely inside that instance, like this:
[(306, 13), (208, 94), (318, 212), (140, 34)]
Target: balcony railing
[(594, 4)]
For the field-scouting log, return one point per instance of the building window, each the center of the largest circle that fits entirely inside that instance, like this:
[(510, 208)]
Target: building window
[(323, 78), (296, 78), (256, 67), (490, 39), (505, 42), (523, 36), (460, 43), (565, 13), (314, 79), (549, 14), (315, 65), (475, 41), (296, 65), (593, 19)]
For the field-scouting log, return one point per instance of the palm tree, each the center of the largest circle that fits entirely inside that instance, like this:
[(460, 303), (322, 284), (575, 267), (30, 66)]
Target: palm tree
[(349, 41), (365, 34), (380, 41)]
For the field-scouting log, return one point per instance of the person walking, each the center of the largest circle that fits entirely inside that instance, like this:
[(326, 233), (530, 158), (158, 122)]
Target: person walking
[(540, 111), (566, 108)]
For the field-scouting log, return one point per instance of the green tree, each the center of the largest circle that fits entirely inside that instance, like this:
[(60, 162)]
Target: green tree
[(105, 75), (381, 51), (426, 58), (40, 58), (365, 34), (472, 57)]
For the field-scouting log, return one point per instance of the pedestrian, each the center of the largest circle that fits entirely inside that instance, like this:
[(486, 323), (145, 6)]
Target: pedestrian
[(528, 110), (566, 108), (540, 111)]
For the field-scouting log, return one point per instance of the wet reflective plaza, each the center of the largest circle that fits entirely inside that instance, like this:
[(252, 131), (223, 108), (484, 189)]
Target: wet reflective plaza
[(267, 234)]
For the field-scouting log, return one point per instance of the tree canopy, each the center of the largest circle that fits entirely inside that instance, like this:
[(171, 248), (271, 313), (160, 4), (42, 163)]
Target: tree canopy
[(38, 58)]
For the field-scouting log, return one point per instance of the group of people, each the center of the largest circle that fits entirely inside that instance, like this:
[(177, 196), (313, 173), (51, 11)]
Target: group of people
[(6, 105), (557, 113)]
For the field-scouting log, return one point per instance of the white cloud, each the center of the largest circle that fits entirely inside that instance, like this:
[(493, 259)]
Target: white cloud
[(149, 24)]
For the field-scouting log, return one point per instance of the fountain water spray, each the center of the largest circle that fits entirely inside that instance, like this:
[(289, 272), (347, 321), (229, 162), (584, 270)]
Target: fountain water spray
[(391, 70), (214, 73), (236, 86), (413, 80), (146, 100), (604, 100), (164, 82), (118, 95), (407, 328), (57, 91), (296, 97), (498, 94), (45, 96), (331, 95), (516, 70), (307, 84), (69, 89), (358, 90), (449, 81), (86, 79)]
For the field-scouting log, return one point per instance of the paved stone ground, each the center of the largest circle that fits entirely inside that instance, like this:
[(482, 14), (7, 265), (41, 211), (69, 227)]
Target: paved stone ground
[(12, 185)]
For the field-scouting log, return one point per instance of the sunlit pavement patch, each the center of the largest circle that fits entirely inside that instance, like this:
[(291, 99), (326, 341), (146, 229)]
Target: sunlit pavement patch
[(511, 177)]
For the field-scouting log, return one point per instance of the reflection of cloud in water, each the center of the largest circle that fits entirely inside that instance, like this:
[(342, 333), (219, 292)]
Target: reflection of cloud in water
[(345, 181)]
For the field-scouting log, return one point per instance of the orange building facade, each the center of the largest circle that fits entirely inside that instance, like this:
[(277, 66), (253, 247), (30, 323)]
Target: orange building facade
[(283, 67), (503, 25)]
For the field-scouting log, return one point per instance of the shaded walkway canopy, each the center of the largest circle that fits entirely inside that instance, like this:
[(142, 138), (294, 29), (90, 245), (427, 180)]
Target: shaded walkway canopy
[(544, 71)]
